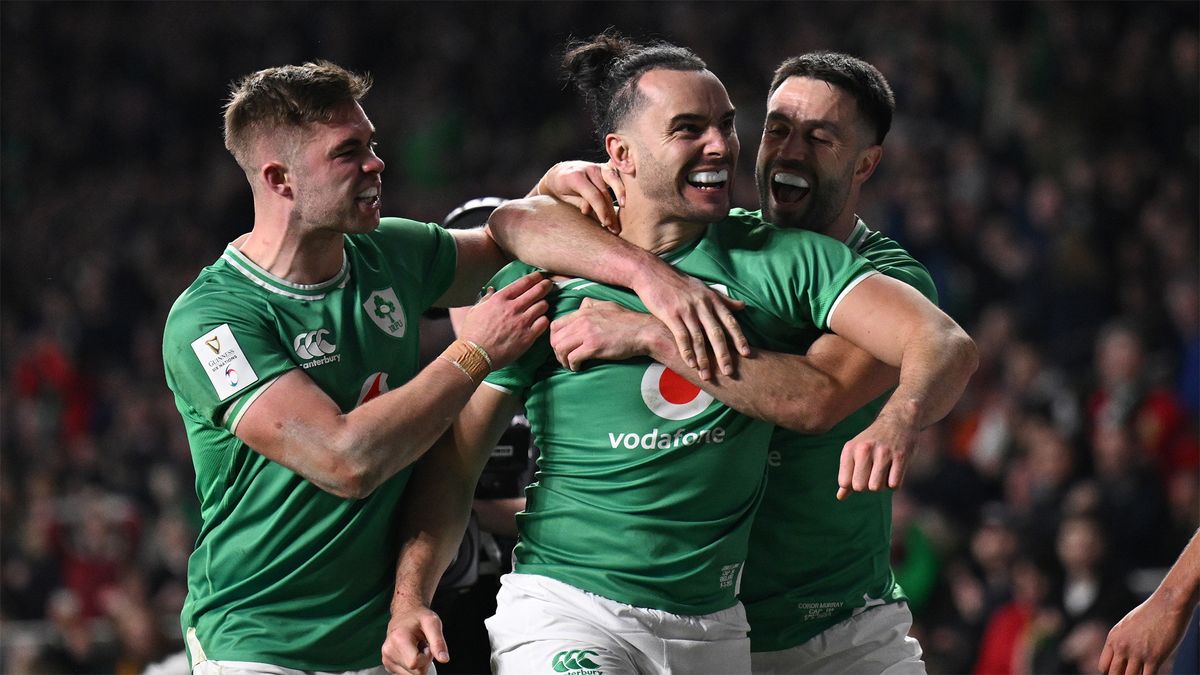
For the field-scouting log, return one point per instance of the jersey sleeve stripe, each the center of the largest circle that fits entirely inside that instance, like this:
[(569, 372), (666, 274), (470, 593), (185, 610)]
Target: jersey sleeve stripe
[(836, 303), (234, 413), (499, 387)]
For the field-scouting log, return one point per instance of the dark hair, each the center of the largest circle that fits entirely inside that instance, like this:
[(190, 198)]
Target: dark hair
[(860, 79), (286, 96), (606, 68)]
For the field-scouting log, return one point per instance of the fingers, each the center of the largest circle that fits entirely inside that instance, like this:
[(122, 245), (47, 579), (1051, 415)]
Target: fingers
[(535, 310), (867, 465), (406, 653), (683, 342), (530, 291), (594, 192), (696, 334), (612, 177), (845, 472), (1106, 657), (715, 333), (899, 467), (436, 642), (725, 311), (519, 286), (880, 465)]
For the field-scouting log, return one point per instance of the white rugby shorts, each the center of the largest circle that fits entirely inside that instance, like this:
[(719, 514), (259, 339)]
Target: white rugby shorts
[(542, 625), (874, 641)]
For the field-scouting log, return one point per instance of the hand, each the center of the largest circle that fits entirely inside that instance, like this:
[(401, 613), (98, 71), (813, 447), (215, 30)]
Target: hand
[(693, 313), (507, 321), (602, 330), (1144, 639), (877, 457), (414, 640), (585, 185)]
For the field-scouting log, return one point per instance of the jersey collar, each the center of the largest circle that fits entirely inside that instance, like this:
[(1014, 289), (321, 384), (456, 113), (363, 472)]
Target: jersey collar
[(260, 277), (858, 235)]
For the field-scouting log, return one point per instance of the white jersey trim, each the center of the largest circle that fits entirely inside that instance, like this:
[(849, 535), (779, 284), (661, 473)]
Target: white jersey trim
[(255, 273), (837, 303), (241, 409), (499, 387), (858, 235)]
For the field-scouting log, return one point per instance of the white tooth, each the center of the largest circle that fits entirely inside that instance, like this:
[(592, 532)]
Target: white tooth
[(367, 194), (791, 179), (709, 176)]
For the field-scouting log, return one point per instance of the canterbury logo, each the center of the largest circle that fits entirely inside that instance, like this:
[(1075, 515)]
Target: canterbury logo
[(312, 345), (575, 659)]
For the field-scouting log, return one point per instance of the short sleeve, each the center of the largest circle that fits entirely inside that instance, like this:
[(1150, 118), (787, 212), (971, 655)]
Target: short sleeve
[(427, 249), (518, 376), (219, 356)]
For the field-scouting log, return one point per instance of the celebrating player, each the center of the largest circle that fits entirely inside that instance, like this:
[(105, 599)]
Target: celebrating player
[(634, 536)]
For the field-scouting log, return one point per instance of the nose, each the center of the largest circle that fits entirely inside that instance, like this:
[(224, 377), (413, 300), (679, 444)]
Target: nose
[(795, 146), (372, 163), (718, 142)]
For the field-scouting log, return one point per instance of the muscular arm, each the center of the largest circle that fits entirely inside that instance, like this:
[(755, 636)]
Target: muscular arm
[(808, 393), (551, 234), (882, 323), (1143, 640), (479, 258), (436, 506), (900, 327), (349, 454)]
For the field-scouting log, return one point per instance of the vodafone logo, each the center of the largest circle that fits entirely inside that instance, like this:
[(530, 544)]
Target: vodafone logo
[(671, 397)]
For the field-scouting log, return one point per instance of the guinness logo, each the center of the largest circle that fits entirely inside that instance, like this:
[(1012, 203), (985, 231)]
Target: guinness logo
[(214, 343)]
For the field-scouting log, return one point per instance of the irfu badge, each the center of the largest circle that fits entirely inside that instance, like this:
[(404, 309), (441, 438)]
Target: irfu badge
[(385, 310)]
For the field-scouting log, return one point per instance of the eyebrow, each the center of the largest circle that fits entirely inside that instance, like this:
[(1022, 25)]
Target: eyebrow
[(833, 127), (698, 118), (349, 144)]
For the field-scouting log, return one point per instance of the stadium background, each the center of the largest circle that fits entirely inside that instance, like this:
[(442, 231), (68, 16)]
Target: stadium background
[(1043, 165)]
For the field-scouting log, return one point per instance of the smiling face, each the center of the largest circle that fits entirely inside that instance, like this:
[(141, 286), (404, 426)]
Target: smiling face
[(335, 173), (680, 145), (815, 154)]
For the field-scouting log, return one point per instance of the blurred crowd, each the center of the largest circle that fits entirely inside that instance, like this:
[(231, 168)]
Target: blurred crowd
[(1043, 165)]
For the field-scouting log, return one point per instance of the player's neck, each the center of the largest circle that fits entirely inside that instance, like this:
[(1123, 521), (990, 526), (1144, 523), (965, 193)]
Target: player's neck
[(843, 227), (300, 258), (654, 232)]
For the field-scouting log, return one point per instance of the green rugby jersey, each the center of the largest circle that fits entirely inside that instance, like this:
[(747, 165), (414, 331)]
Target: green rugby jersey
[(646, 485), (283, 572), (813, 560)]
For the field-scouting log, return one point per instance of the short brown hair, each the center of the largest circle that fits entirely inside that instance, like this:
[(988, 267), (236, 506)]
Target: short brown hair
[(863, 81), (286, 96)]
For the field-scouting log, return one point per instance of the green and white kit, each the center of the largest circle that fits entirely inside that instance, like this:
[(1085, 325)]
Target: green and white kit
[(647, 485), (284, 573), (815, 561)]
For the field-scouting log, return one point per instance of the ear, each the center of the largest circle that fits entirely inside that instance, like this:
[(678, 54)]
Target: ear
[(867, 161), (276, 178), (620, 153)]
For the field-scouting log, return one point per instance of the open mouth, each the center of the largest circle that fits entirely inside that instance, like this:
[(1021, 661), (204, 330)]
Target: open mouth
[(708, 180), (789, 188), (369, 197)]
